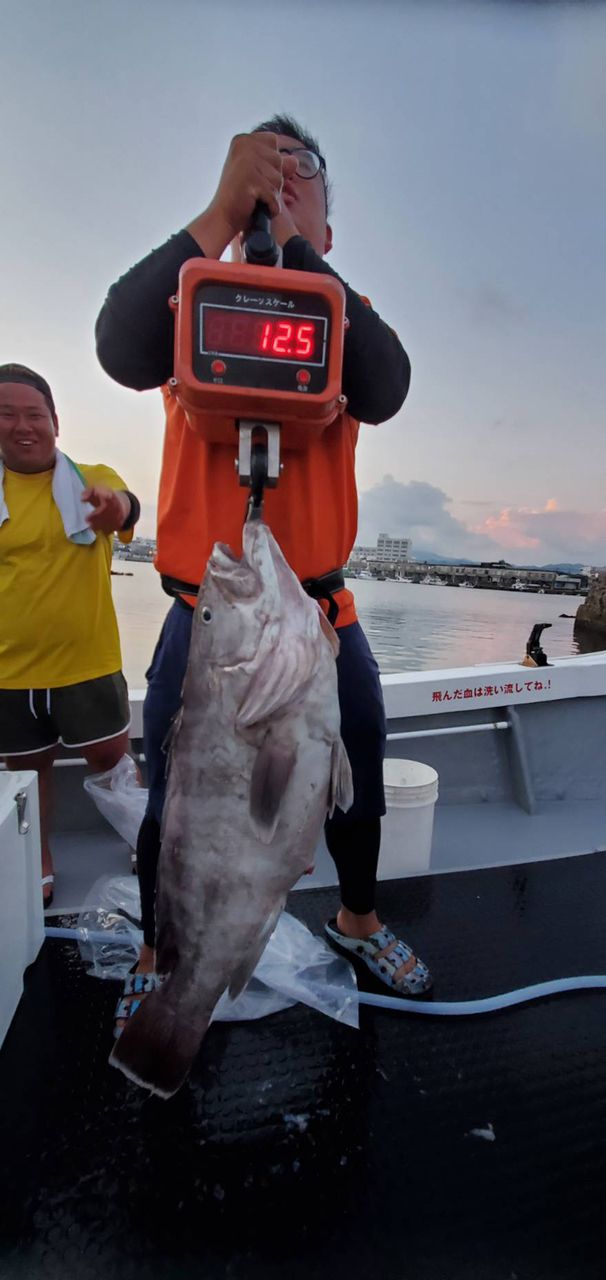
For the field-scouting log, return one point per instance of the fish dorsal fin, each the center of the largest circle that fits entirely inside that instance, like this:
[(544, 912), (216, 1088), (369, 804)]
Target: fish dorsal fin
[(329, 632)]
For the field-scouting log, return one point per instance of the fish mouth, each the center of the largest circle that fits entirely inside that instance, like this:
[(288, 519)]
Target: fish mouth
[(223, 557), (236, 578)]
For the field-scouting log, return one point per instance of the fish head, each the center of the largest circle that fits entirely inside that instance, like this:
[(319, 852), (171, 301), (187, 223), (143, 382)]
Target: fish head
[(238, 608)]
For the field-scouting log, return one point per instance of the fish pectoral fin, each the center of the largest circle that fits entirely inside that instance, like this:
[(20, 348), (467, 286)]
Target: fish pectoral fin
[(340, 789), (242, 975), (278, 680), (271, 774)]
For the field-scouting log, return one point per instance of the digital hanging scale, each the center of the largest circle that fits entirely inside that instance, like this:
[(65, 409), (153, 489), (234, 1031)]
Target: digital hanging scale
[(258, 353)]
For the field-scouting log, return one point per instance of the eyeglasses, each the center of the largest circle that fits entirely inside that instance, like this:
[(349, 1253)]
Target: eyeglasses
[(309, 162)]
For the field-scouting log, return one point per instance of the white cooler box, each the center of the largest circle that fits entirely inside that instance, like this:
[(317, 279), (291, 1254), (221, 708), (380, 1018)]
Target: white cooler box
[(21, 910)]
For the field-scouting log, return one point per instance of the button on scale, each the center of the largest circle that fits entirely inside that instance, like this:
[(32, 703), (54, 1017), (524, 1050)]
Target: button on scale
[(303, 377), (218, 367)]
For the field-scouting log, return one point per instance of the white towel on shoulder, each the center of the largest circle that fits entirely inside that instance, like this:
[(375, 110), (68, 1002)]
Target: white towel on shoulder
[(67, 487)]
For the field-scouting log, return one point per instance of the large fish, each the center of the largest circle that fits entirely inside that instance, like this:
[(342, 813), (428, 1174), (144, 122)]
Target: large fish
[(256, 763)]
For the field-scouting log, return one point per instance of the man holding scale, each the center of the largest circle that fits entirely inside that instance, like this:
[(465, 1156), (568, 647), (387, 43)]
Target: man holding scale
[(312, 511)]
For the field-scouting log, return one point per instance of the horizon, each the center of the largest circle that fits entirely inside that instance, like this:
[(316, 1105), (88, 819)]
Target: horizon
[(466, 145), (438, 557)]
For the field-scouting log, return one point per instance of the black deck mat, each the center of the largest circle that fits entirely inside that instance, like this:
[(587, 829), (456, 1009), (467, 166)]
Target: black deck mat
[(304, 1149)]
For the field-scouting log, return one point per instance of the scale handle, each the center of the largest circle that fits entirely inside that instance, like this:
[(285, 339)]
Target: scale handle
[(260, 248)]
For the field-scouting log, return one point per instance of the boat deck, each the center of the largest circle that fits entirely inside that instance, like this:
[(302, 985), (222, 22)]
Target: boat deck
[(465, 837), (301, 1148)]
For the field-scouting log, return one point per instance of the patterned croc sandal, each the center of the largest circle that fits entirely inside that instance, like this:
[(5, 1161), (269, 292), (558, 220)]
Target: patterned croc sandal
[(136, 984), (384, 956)]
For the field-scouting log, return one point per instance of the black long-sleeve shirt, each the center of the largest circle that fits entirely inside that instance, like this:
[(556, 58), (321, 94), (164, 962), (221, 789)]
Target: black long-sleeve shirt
[(135, 330)]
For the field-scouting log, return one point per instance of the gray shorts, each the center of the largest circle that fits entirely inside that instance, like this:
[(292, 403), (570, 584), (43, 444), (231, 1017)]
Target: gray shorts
[(77, 715)]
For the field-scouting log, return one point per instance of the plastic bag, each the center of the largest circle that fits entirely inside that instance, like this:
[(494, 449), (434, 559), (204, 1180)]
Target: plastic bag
[(120, 798), (113, 908), (295, 966)]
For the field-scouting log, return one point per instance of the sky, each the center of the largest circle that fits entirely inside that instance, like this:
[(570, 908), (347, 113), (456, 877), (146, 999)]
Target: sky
[(467, 148)]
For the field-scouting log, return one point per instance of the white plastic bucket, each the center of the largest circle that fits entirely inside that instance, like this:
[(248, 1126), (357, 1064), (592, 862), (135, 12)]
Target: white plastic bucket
[(411, 791)]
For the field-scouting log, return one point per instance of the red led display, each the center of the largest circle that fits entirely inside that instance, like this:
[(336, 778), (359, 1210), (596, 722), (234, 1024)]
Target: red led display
[(227, 331), (287, 338)]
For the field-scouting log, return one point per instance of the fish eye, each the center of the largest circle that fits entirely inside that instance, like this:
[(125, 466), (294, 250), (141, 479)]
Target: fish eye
[(206, 614)]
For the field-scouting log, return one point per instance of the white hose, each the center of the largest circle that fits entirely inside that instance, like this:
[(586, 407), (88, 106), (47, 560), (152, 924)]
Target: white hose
[(435, 1008), (81, 934), (488, 1004)]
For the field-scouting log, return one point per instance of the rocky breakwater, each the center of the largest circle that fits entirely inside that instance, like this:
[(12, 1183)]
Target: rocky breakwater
[(591, 614)]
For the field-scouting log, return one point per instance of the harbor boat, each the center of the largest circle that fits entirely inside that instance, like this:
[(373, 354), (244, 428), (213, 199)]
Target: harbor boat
[(285, 1151)]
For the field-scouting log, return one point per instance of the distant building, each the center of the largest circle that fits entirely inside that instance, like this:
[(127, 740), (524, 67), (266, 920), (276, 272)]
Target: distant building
[(387, 551), (392, 556), (392, 550), (143, 549), (364, 554)]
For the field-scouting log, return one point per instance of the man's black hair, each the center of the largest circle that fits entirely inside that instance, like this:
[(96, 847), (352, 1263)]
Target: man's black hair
[(290, 128), (20, 373)]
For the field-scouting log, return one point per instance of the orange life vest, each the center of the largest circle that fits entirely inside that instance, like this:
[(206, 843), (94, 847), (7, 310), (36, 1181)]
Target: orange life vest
[(313, 512)]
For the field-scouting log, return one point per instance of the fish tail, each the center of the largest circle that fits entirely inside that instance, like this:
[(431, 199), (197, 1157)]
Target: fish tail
[(158, 1045)]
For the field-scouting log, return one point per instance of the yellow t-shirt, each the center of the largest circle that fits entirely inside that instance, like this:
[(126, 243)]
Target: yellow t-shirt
[(57, 620)]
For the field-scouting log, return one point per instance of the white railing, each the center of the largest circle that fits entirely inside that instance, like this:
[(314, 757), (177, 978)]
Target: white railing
[(487, 687)]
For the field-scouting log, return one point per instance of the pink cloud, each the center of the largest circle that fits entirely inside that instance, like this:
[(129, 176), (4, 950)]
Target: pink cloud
[(522, 535), (505, 529), (549, 532)]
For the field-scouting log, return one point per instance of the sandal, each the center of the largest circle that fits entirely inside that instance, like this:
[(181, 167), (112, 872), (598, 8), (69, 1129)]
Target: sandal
[(136, 984), (48, 901), (383, 955)]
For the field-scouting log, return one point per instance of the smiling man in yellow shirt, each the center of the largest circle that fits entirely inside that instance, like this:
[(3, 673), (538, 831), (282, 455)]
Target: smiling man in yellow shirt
[(60, 663)]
